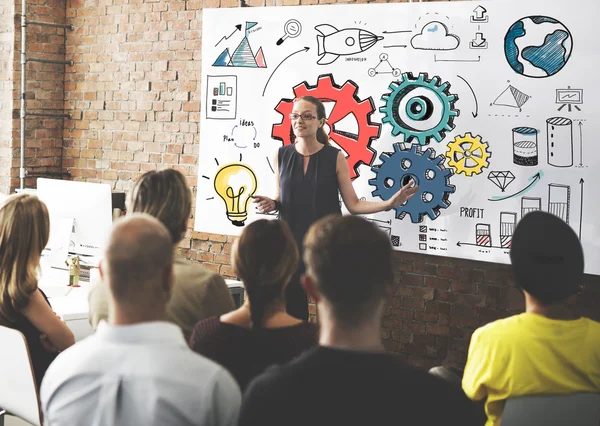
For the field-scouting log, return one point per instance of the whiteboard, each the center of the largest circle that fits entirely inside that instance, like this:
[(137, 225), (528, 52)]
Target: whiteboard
[(488, 105)]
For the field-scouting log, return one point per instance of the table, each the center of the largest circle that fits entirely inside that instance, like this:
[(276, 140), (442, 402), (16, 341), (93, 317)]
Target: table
[(71, 304)]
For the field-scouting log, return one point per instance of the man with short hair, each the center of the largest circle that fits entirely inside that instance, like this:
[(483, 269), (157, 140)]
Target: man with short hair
[(349, 379), (138, 368), (548, 349)]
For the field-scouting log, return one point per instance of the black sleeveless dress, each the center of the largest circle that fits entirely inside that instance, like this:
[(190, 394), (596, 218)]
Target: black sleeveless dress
[(305, 198)]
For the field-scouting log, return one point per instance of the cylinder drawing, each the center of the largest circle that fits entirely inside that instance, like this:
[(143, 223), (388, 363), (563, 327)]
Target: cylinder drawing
[(560, 141), (508, 223), (530, 204), (525, 146), (559, 200), (483, 235)]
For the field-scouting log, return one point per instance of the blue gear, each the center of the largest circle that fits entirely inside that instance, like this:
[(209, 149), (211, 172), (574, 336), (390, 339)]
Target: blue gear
[(419, 108), (426, 169)]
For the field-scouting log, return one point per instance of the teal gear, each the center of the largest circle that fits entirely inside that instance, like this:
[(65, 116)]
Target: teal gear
[(428, 172), (419, 107)]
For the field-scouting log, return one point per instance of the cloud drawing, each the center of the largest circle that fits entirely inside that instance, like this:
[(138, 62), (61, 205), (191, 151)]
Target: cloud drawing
[(435, 36)]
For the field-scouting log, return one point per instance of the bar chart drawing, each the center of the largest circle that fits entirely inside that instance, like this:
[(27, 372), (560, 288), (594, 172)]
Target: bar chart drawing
[(508, 223), (559, 200), (483, 236), (483, 233), (530, 204), (221, 97)]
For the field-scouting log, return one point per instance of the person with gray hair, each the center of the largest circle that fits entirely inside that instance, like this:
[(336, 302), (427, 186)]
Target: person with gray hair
[(137, 369)]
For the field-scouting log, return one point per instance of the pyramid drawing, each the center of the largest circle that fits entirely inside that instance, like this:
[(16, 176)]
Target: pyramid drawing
[(511, 97), (242, 56)]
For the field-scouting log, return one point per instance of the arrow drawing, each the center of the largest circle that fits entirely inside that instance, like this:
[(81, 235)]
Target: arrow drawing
[(580, 144), (435, 59), (581, 181), (479, 14), (534, 180), (306, 48), (460, 244), (238, 27), (472, 91), (396, 32)]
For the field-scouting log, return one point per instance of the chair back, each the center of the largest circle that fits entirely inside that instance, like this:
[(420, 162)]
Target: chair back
[(18, 391), (578, 409)]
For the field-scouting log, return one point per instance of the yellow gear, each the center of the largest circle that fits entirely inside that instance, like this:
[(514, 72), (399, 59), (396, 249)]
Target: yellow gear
[(468, 154)]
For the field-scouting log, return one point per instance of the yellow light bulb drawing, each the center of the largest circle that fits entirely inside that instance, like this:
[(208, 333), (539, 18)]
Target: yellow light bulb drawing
[(235, 184)]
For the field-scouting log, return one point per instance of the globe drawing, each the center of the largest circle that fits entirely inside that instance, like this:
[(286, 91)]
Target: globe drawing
[(537, 46)]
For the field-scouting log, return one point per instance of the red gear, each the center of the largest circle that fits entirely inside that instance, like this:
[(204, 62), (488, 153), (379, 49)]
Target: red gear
[(358, 147)]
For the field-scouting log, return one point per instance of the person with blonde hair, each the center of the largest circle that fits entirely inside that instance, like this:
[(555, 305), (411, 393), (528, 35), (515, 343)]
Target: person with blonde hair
[(24, 232), (197, 292), (260, 333)]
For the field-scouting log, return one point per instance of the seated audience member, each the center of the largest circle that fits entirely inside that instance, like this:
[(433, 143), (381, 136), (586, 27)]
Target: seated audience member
[(24, 232), (197, 292), (349, 379), (547, 349), (137, 369), (260, 333)]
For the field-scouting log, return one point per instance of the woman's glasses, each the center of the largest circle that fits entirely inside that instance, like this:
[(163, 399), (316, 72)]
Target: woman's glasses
[(307, 116)]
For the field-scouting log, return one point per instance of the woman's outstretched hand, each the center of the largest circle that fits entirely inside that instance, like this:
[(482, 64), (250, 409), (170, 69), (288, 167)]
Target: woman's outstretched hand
[(405, 194), (264, 204)]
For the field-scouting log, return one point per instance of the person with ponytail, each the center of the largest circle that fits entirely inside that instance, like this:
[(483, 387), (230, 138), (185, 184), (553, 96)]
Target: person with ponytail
[(310, 176), (260, 333)]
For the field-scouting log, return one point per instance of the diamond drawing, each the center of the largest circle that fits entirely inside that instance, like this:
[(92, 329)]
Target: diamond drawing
[(501, 178)]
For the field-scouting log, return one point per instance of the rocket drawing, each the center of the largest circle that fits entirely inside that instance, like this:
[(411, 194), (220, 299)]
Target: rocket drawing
[(333, 43)]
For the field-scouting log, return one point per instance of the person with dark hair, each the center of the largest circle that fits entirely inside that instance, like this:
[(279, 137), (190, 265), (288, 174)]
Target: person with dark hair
[(310, 176), (197, 292), (349, 379), (260, 333), (548, 349)]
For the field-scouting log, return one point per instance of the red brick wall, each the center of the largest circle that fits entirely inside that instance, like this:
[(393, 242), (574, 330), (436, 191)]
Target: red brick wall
[(44, 93), (135, 97)]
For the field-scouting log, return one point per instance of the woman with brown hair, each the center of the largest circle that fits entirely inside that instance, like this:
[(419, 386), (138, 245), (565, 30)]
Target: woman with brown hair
[(310, 176), (260, 333), (24, 232)]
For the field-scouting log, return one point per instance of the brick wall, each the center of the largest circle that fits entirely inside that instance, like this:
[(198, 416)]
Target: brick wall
[(134, 94)]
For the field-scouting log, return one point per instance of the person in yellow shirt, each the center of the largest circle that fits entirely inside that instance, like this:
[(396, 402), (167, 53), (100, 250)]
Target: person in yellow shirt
[(547, 349)]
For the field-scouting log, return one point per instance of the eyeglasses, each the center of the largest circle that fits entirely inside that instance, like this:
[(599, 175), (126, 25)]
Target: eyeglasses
[(307, 116)]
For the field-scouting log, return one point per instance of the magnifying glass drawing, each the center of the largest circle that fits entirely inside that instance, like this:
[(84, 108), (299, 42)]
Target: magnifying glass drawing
[(292, 28)]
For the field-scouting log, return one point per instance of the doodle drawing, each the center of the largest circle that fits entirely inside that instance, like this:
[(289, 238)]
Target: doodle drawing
[(508, 223), (291, 29), (569, 98), (419, 108), (530, 204), (435, 36), (479, 16), (559, 200), (221, 97), (525, 146), (243, 55), (333, 43), (511, 97), (236, 184), (468, 155), (560, 141), (501, 178), (425, 169), (537, 46), (479, 42), (389, 69)]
